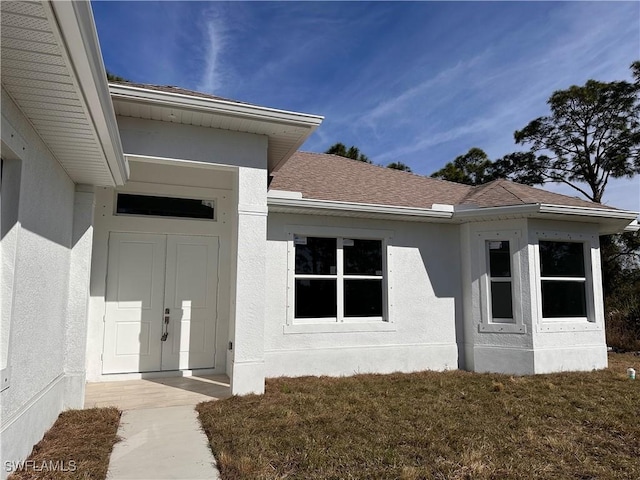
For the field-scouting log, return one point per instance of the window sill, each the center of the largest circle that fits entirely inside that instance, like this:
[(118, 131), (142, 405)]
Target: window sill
[(342, 327), (501, 328), (568, 325)]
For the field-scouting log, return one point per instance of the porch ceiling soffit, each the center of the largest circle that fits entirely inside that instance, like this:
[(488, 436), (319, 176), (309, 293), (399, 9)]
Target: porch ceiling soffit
[(286, 131), (52, 68)]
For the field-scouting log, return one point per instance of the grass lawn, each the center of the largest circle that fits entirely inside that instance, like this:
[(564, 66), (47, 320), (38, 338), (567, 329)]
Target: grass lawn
[(449, 425), (77, 446)]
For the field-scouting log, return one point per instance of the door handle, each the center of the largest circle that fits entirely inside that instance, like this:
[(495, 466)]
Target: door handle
[(165, 334)]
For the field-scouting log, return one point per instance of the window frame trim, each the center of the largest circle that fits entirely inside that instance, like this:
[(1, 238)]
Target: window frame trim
[(321, 325), (487, 323), (568, 324)]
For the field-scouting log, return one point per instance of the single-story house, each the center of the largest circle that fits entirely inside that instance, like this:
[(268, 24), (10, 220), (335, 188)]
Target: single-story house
[(154, 231)]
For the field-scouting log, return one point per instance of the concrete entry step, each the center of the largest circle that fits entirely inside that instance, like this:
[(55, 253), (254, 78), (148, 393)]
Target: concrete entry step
[(157, 392), (162, 443)]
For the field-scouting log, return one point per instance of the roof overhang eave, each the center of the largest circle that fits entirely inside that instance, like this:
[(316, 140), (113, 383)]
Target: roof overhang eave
[(213, 105), (309, 206), (608, 220), (225, 109), (76, 27)]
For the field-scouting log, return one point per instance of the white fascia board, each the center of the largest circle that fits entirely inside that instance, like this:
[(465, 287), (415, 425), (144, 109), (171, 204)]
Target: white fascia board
[(213, 105), (632, 227), (284, 194), (467, 212), (589, 212), (542, 208), (76, 27), (313, 205), (609, 221)]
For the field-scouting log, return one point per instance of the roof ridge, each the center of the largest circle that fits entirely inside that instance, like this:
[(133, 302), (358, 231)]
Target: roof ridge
[(509, 183), (492, 185)]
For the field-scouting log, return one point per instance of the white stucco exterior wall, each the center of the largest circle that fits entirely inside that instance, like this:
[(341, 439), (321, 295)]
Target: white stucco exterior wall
[(171, 140), (489, 347), (248, 296), (38, 390), (424, 304), (568, 345), (75, 340)]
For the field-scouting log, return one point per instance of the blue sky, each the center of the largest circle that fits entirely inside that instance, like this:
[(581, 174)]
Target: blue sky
[(417, 82)]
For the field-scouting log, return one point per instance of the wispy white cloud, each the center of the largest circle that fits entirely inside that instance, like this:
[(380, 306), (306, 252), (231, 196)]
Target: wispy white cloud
[(215, 37), (398, 104)]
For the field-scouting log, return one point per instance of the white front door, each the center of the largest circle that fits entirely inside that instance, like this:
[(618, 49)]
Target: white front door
[(161, 306)]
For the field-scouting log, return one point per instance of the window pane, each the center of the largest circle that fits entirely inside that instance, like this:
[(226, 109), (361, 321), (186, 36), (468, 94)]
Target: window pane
[(363, 257), (563, 299), (363, 298), (501, 303), (499, 259), (163, 206), (316, 298), (317, 256), (561, 259)]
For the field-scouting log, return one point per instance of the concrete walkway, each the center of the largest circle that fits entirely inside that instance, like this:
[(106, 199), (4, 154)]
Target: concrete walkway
[(162, 443)]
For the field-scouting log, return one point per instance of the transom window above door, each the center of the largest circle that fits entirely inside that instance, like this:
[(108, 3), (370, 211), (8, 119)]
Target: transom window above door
[(338, 279), (150, 205)]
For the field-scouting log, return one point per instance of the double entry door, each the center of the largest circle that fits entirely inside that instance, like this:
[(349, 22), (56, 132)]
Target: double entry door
[(161, 302)]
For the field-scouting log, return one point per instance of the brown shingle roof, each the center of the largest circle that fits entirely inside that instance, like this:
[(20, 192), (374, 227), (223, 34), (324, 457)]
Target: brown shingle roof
[(503, 192), (330, 177)]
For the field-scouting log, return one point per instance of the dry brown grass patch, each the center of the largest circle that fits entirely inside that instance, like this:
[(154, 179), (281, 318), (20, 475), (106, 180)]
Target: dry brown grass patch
[(77, 446), (450, 425)]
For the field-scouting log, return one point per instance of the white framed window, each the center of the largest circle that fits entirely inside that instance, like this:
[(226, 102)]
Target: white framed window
[(564, 264), (499, 272), (337, 276), (563, 279), (500, 282)]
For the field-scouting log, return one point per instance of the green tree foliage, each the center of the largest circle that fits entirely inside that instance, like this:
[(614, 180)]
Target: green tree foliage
[(635, 71), (400, 166), (115, 78), (592, 135), (472, 168), (352, 152), (620, 257)]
